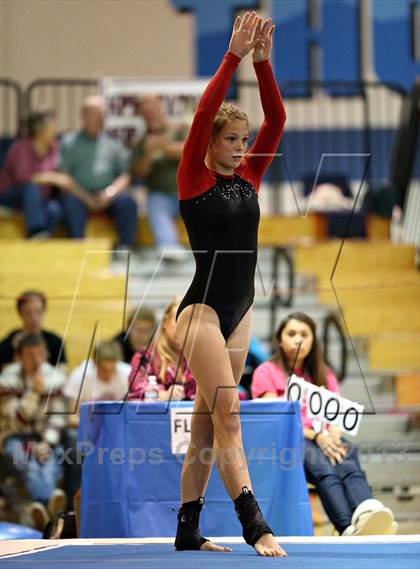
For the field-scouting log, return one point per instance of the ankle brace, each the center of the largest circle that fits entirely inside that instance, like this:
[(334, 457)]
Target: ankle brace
[(250, 516), (188, 534)]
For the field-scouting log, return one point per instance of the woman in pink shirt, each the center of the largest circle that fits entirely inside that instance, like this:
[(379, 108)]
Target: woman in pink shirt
[(164, 360), (29, 171), (331, 462)]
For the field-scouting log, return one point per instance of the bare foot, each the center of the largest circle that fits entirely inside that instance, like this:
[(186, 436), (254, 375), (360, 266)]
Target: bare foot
[(268, 547), (210, 546)]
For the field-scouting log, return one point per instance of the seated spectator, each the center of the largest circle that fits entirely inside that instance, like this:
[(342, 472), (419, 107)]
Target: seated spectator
[(164, 360), (141, 327), (102, 378), (332, 196), (331, 462), (30, 171), (155, 160), (31, 306), (32, 419), (97, 165)]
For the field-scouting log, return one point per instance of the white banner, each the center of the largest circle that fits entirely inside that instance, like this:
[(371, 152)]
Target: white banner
[(179, 98), (180, 429), (325, 405)]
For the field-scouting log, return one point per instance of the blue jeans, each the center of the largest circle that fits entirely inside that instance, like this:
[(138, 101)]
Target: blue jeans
[(40, 478), (163, 210), (40, 213), (341, 487), (123, 210)]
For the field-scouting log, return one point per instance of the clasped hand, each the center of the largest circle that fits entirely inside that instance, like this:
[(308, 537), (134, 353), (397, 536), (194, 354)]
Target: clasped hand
[(249, 33), (332, 446)]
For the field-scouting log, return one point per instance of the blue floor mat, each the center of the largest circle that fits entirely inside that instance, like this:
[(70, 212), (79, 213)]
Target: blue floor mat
[(151, 556)]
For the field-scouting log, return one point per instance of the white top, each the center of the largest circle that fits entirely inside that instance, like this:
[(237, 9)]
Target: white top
[(23, 410), (91, 388)]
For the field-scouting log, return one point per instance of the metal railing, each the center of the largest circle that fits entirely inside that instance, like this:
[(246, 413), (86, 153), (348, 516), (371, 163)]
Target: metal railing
[(65, 96), (333, 127), (11, 107), (405, 160), (282, 263), (324, 117), (282, 258), (331, 323)]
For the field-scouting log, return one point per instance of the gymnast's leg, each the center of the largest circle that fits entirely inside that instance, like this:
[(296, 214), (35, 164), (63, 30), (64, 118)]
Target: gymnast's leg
[(198, 462), (204, 347), (238, 346), (194, 479), (199, 458)]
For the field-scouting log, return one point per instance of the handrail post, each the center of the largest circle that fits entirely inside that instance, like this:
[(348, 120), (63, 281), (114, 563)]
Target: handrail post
[(277, 299), (331, 321)]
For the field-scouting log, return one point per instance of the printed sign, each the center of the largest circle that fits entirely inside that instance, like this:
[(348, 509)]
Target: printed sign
[(179, 98), (180, 429), (325, 405)]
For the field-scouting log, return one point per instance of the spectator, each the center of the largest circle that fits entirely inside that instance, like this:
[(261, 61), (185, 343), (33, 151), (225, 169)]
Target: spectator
[(29, 172), (165, 360), (332, 197), (97, 165), (331, 462), (141, 327), (31, 306), (155, 160), (32, 418), (103, 378)]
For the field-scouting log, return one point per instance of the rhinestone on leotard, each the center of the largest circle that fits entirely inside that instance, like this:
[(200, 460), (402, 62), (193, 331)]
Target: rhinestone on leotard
[(236, 189)]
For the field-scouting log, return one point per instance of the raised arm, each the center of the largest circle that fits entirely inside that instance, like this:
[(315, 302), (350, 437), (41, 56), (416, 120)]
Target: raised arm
[(192, 163), (260, 155)]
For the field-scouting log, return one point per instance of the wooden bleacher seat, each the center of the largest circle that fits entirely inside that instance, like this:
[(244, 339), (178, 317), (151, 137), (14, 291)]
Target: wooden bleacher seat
[(54, 266), (76, 279), (408, 390), (274, 229), (377, 286)]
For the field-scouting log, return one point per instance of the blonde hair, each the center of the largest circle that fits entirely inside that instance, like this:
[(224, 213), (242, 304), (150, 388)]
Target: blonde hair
[(226, 113), (168, 356)]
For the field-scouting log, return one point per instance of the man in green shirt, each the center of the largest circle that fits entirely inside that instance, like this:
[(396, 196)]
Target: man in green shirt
[(98, 167), (155, 160)]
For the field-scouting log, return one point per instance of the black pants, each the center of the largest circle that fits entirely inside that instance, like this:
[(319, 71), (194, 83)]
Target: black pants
[(72, 475)]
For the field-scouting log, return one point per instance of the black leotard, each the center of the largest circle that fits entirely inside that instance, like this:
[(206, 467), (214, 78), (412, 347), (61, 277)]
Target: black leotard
[(221, 213)]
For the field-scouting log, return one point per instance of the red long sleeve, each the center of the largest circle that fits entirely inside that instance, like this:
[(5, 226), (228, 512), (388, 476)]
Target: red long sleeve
[(193, 176), (192, 172), (268, 137)]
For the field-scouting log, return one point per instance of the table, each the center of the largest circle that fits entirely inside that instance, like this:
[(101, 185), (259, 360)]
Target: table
[(130, 478)]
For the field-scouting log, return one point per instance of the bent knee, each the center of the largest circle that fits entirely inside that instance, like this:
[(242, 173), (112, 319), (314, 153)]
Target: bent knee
[(226, 423), (202, 432)]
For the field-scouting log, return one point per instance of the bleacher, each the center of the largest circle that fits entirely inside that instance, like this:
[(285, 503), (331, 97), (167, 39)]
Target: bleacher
[(371, 286)]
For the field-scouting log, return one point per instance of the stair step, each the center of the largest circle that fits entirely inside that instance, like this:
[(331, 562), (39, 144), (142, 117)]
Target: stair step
[(391, 469), (402, 508), (374, 391), (384, 425), (357, 388), (379, 403), (372, 441)]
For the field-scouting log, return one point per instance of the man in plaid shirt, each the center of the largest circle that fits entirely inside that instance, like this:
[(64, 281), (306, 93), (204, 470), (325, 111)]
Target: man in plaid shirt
[(32, 417)]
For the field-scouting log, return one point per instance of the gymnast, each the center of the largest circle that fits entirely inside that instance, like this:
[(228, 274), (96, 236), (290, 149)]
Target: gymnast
[(218, 183)]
